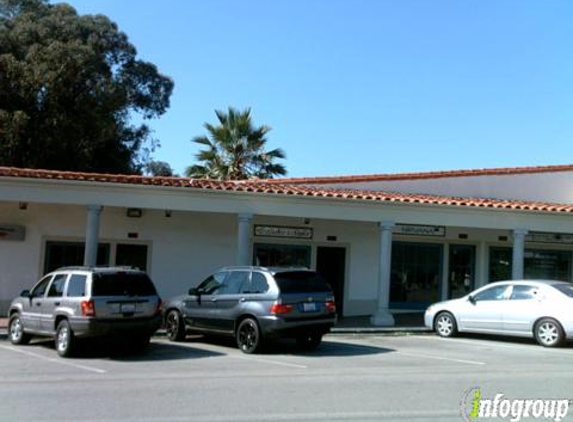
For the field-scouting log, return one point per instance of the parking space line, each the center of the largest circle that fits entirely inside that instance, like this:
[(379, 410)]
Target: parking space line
[(58, 361), (422, 356), (273, 362)]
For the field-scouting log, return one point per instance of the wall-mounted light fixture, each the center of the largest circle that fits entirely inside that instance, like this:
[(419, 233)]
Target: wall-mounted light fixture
[(134, 212), (23, 206)]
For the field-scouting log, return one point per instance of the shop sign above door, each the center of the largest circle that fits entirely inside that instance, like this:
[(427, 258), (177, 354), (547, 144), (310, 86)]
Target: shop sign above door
[(541, 237), (12, 232), (419, 230), (282, 231)]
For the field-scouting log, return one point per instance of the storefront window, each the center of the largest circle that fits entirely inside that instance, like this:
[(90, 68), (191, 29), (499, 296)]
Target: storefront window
[(549, 265), (269, 255), (416, 275), (500, 259), (462, 269), (65, 254), (131, 255), (538, 264)]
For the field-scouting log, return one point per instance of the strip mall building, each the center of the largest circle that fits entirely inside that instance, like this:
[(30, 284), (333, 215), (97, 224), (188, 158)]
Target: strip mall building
[(386, 243)]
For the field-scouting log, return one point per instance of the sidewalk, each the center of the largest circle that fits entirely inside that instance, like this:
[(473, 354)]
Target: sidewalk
[(405, 323)]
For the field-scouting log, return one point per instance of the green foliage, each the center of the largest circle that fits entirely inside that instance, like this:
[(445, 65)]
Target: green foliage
[(235, 150), (69, 88), (158, 168)]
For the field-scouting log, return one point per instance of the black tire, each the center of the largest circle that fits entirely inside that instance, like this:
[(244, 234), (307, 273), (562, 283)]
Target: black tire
[(249, 339), (16, 331), (308, 341), (549, 333), (445, 325), (65, 339), (175, 326)]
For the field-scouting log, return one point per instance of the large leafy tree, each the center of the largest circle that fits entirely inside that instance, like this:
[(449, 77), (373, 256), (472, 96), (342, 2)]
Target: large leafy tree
[(235, 150), (70, 88)]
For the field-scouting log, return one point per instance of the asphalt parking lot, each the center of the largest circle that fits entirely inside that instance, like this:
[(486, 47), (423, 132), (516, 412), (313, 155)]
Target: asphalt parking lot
[(367, 377)]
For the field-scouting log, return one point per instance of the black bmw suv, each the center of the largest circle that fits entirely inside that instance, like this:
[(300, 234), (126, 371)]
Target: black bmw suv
[(255, 304)]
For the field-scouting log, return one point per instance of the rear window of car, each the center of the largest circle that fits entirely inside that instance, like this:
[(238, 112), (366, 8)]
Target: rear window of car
[(566, 289), (301, 282), (122, 284)]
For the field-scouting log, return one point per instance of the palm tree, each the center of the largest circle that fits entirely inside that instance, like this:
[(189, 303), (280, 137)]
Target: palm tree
[(235, 150)]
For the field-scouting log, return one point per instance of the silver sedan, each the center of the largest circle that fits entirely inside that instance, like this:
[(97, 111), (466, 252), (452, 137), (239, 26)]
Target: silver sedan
[(539, 309)]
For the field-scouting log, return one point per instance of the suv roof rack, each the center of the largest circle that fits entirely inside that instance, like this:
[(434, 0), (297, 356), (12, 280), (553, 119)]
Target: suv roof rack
[(261, 268), (98, 267)]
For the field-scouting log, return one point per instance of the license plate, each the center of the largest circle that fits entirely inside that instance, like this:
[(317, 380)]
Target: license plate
[(128, 308), (309, 307)]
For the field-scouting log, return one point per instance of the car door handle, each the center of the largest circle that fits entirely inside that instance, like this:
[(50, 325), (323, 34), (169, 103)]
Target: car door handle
[(38, 303), (58, 303), (214, 299), (243, 299)]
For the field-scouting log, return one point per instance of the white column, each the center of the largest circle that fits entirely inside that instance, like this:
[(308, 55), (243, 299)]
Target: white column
[(482, 267), (244, 239), (446, 274), (518, 253), (382, 316), (92, 235)]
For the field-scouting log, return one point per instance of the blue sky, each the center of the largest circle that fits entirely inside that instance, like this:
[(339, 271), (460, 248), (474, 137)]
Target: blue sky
[(365, 86)]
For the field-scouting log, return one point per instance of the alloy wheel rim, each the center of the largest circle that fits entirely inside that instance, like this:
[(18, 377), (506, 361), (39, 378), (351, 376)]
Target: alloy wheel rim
[(247, 337), (548, 333), (63, 337), (445, 325), (16, 329), (172, 323)]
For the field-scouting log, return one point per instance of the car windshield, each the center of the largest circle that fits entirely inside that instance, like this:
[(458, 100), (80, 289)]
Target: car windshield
[(301, 282), (122, 284), (566, 289)]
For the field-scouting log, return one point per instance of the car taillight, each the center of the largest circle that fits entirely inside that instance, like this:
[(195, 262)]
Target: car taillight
[(88, 308), (279, 308), (330, 306), (159, 309)]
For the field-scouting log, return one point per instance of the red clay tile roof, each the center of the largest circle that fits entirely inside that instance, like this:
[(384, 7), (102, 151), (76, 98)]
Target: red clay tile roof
[(267, 187), (424, 175)]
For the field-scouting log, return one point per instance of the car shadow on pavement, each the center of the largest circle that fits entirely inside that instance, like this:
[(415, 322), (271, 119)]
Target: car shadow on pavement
[(526, 341), (124, 351), (161, 351), (326, 348), (289, 347)]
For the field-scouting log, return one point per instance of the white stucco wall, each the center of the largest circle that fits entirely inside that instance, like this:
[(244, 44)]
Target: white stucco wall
[(543, 187), (182, 249)]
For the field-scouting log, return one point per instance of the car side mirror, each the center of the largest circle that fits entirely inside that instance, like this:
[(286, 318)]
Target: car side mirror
[(194, 291), (472, 299), (25, 293)]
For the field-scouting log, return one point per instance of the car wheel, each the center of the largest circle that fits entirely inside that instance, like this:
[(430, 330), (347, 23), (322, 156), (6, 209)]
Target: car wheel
[(308, 341), (16, 331), (445, 325), (175, 326), (549, 333), (65, 339), (249, 336)]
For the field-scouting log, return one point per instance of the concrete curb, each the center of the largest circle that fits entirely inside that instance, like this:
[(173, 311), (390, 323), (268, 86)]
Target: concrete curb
[(381, 330)]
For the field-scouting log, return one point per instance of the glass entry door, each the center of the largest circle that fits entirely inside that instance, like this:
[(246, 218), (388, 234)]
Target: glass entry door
[(416, 275), (461, 276), (271, 255)]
